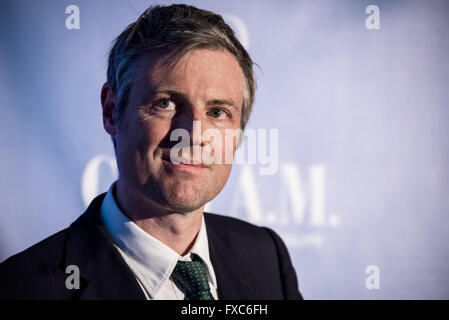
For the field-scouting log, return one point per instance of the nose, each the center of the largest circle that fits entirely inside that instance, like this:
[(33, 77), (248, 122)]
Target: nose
[(191, 120)]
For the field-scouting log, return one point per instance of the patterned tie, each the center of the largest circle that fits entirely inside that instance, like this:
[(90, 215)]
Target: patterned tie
[(191, 276)]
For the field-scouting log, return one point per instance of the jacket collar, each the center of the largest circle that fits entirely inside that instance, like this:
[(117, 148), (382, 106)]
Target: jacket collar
[(104, 274), (152, 259), (233, 274)]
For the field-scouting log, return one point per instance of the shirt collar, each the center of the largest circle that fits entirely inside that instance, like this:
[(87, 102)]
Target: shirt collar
[(152, 259)]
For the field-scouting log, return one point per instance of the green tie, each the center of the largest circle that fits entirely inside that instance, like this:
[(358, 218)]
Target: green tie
[(191, 276)]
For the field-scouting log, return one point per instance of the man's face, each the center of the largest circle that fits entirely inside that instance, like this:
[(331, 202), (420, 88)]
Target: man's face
[(205, 86)]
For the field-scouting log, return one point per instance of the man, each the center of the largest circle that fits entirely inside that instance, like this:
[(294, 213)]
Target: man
[(176, 69)]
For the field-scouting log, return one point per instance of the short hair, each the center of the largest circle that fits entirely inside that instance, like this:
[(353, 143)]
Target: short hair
[(170, 32)]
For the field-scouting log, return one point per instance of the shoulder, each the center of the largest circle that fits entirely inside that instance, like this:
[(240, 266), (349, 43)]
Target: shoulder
[(51, 250), (47, 250), (231, 225), (243, 232), (256, 245), (228, 222), (31, 273)]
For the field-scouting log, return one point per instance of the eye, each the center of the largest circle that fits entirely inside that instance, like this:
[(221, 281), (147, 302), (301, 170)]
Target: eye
[(217, 113), (166, 104)]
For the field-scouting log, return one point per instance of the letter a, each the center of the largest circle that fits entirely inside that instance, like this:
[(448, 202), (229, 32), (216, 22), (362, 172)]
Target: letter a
[(373, 280), (73, 20), (72, 281), (372, 22)]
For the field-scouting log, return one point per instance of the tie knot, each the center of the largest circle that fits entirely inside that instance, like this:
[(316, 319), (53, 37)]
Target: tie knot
[(191, 276)]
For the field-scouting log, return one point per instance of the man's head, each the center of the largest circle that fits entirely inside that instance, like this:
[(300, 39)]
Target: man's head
[(173, 66), (170, 32)]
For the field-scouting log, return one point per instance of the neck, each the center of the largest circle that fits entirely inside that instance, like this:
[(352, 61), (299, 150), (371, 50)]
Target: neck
[(176, 230)]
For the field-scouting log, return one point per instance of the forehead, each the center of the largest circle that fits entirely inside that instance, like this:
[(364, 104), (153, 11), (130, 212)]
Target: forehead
[(201, 73)]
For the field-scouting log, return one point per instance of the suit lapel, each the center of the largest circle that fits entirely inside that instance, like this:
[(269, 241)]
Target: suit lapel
[(233, 275), (104, 273)]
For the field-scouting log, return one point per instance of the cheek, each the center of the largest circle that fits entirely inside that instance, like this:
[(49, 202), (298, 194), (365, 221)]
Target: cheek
[(220, 145), (150, 133), (222, 176), (230, 144), (138, 142), (154, 132), (139, 156)]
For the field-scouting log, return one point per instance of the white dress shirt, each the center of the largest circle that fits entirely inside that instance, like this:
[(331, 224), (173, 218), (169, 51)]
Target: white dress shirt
[(151, 260)]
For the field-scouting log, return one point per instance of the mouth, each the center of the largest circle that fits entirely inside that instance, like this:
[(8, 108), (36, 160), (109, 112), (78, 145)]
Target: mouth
[(185, 165), (183, 162), (184, 168)]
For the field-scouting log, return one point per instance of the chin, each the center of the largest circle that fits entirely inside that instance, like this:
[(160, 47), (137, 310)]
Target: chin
[(179, 195), (182, 205), (189, 198)]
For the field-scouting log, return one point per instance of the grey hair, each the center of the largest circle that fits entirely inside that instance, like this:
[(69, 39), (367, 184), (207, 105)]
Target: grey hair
[(170, 32)]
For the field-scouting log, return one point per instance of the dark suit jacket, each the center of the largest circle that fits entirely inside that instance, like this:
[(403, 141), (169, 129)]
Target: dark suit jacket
[(250, 262)]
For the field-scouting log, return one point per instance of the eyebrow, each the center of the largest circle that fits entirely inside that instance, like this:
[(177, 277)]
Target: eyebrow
[(174, 93), (227, 102)]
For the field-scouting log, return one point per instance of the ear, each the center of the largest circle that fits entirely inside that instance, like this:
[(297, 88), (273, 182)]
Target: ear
[(108, 103)]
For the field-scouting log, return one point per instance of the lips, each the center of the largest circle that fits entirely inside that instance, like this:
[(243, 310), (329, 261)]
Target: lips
[(199, 165), (184, 162), (183, 168)]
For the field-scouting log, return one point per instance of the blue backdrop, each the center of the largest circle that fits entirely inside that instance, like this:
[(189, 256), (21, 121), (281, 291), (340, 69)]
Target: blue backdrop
[(362, 116)]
